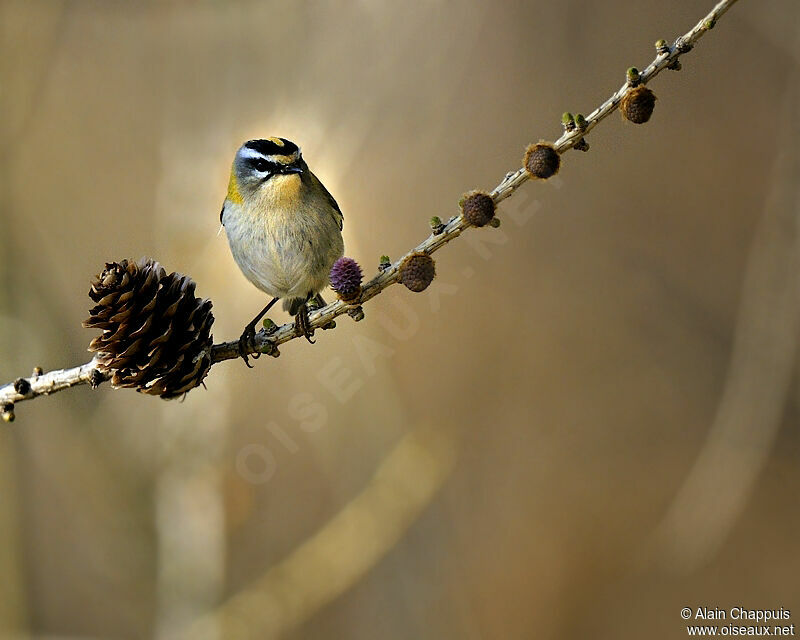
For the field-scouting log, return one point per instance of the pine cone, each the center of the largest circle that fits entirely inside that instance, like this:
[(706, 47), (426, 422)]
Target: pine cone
[(541, 160), (156, 334), (477, 208), (637, 105), (417, 271), (346, 279)]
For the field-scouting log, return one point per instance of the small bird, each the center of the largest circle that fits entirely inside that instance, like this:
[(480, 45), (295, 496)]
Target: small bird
[(284, 229)]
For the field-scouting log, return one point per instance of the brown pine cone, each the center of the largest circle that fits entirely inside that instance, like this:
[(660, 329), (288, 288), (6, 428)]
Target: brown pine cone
[(156, 334), (541, 160), (417, 271), (477, 208), (637, 105)]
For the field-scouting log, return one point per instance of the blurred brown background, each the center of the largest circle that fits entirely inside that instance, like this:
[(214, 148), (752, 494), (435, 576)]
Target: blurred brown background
[(588, 422)]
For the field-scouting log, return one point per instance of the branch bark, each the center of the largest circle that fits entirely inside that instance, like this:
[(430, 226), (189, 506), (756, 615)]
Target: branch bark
[(268, 342)]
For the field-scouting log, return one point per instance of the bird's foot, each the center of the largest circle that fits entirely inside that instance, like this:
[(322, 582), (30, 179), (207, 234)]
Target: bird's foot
[(302, 325), (317, 302), (247, 344)]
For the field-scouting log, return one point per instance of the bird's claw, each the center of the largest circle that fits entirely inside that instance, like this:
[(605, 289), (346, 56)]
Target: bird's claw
[(247, 345), (302, 324), (317, 303)]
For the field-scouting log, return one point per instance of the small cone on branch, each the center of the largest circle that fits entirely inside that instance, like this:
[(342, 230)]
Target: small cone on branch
[(417, 271), (156, 334), (477, 208), (541, 160), (346, 279), (637, 105)]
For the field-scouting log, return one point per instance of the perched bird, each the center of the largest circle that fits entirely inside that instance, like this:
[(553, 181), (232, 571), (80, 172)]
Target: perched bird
[(283, 227)]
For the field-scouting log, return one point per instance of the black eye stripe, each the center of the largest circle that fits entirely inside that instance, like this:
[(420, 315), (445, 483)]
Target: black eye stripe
[(260, 164)]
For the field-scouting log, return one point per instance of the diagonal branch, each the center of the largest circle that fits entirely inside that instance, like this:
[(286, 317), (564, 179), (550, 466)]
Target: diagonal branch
[(505, 189), (267, 342)]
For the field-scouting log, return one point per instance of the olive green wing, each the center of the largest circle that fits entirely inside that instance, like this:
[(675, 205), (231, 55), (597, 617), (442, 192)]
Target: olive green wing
[(339, 215)]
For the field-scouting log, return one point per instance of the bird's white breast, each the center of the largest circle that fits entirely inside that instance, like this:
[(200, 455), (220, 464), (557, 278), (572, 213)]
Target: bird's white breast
[(284, 244)]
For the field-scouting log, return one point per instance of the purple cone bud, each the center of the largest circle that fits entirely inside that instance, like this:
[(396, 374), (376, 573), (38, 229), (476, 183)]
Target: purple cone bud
[(346, 278)]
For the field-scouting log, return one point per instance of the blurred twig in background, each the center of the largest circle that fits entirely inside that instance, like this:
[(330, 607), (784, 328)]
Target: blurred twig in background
[(759, 376), (339, 554), (667, 58)]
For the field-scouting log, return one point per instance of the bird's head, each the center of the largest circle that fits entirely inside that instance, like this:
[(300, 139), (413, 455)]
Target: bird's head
[(263, 163)]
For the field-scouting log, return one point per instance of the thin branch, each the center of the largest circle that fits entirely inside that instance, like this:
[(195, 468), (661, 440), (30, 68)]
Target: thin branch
[(46, 383), (268, 342), (506, 188)]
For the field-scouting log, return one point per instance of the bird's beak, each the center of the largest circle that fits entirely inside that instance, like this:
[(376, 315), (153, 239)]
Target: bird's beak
[(291, 169)]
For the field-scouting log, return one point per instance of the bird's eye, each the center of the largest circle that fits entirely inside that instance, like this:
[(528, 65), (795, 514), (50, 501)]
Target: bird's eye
[(261, 166)]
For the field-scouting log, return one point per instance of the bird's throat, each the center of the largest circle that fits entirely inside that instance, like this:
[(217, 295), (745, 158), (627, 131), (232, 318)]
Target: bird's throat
[(283, 193)]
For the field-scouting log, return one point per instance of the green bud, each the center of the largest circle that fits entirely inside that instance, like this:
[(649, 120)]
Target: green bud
[(661, 44), (580, 121), (494, 222), (436, 221), (269, 325), (633, 74), (710, 24), (567, 118)]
